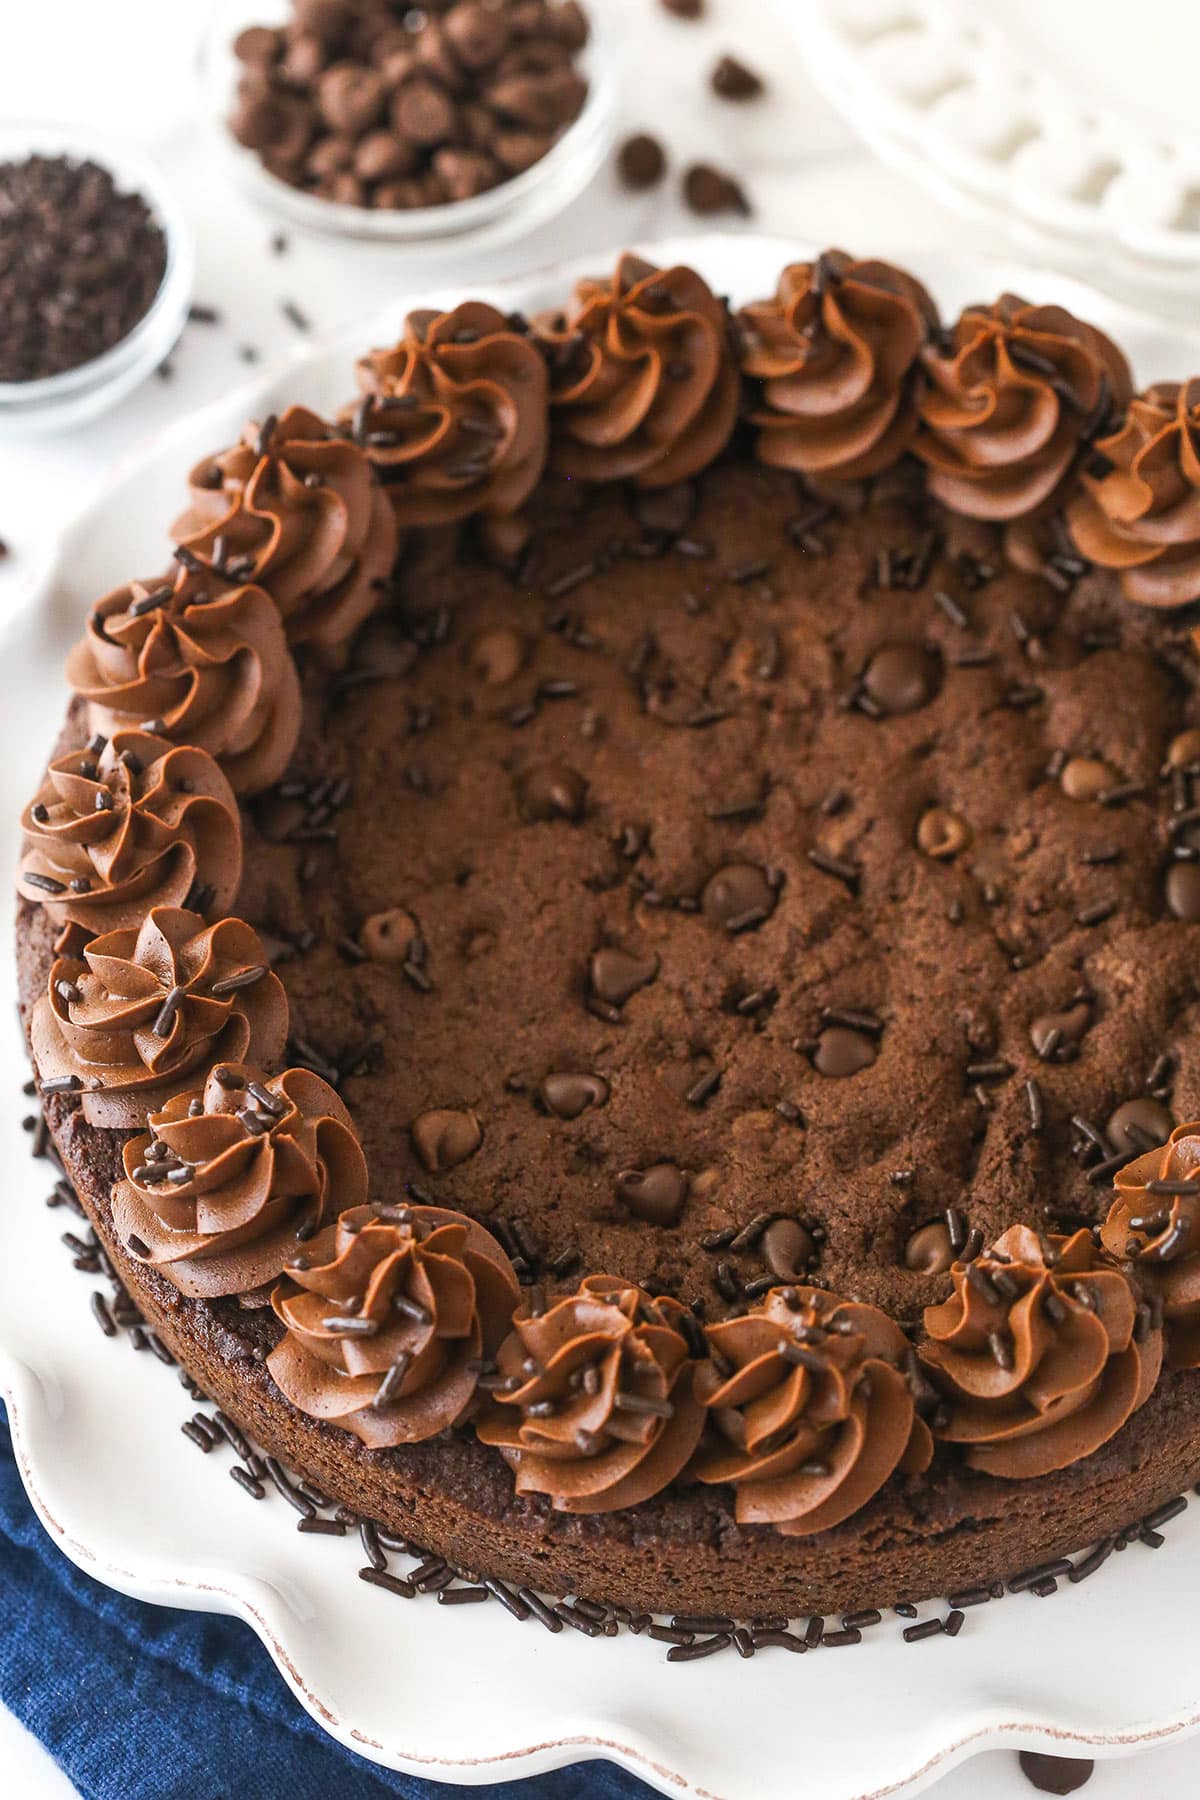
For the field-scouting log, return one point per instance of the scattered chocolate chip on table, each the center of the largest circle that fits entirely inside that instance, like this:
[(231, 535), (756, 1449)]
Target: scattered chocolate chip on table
[(1056, 1774), (732, 80), (708, 190), (641, 161)]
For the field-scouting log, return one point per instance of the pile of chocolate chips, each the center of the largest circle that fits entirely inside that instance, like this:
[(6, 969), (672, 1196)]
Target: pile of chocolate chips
[(389, 105), (80, 265)]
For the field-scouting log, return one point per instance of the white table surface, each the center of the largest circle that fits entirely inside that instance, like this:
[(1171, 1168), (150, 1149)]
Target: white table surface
[(128, 66)]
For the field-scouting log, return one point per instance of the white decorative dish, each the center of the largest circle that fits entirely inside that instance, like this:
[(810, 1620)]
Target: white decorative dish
[(1068, 127), (465, 1694)]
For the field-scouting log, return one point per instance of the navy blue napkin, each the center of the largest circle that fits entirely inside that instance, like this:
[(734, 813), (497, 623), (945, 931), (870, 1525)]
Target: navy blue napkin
[(147, 1703)]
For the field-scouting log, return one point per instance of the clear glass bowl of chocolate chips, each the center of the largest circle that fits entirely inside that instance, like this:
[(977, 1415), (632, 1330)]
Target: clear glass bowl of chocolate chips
[(96, 269), (451, 120)]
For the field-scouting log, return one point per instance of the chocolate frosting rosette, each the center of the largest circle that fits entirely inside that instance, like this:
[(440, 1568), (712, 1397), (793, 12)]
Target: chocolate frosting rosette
[(596, 1404), (129, 1023), (811, 1412), (1142, 515), (391, 1315), (835, 364), (199, 661), (643, 382), (1042, 1353), (1013, 400), (232, 1177), (297, 510), (127, 824), (453, 417), (1154, 1222)]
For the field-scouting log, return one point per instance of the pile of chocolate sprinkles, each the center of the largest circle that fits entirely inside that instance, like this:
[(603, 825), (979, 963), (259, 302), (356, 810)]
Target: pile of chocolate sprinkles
[(81, 263)]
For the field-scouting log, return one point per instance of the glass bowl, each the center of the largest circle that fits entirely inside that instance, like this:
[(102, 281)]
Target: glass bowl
[(504, 213), (76, 396)]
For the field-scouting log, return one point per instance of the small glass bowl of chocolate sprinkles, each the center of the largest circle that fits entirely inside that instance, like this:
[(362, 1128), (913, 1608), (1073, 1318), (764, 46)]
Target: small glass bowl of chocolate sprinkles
[(306, 193), (96, 271)]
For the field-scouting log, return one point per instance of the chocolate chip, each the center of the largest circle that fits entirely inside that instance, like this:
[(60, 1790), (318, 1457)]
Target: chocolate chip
[(257, 44), (655, 1195), (566, 1096), (496, 656), (708, 190), (402, 196), (1183, 891), (1085, 777), (536, 101), (351, 98), (327, 20), (1056, 1774), (463, 173), (382, 156), (941, 833), (739, 891), (1184, 749), (303, 59), (344, 189), (516, 151), (616, 975), (929, 1250), (329, 156), (477, 34), (1139, 1124), (683, 9), (901, 678), (732, 80), (552, 791), (445, 1137), (787, 1248), (1050, 1031), (388, 937), (641, 161), (279, 125), (423, 113), (569, 24), (840, 1052)]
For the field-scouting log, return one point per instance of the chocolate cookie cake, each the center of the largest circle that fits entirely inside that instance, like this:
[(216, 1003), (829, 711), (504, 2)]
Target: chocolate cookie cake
[(612, 949)]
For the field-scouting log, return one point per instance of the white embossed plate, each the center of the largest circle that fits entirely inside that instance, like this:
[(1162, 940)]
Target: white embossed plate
[(468, 1695), (1072, 125)]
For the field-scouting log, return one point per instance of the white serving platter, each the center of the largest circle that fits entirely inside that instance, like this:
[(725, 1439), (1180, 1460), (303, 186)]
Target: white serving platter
[(1070, 125), (466, 1694)]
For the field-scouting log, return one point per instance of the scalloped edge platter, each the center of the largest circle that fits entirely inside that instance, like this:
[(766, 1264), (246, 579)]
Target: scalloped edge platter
[(1015, 113)]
